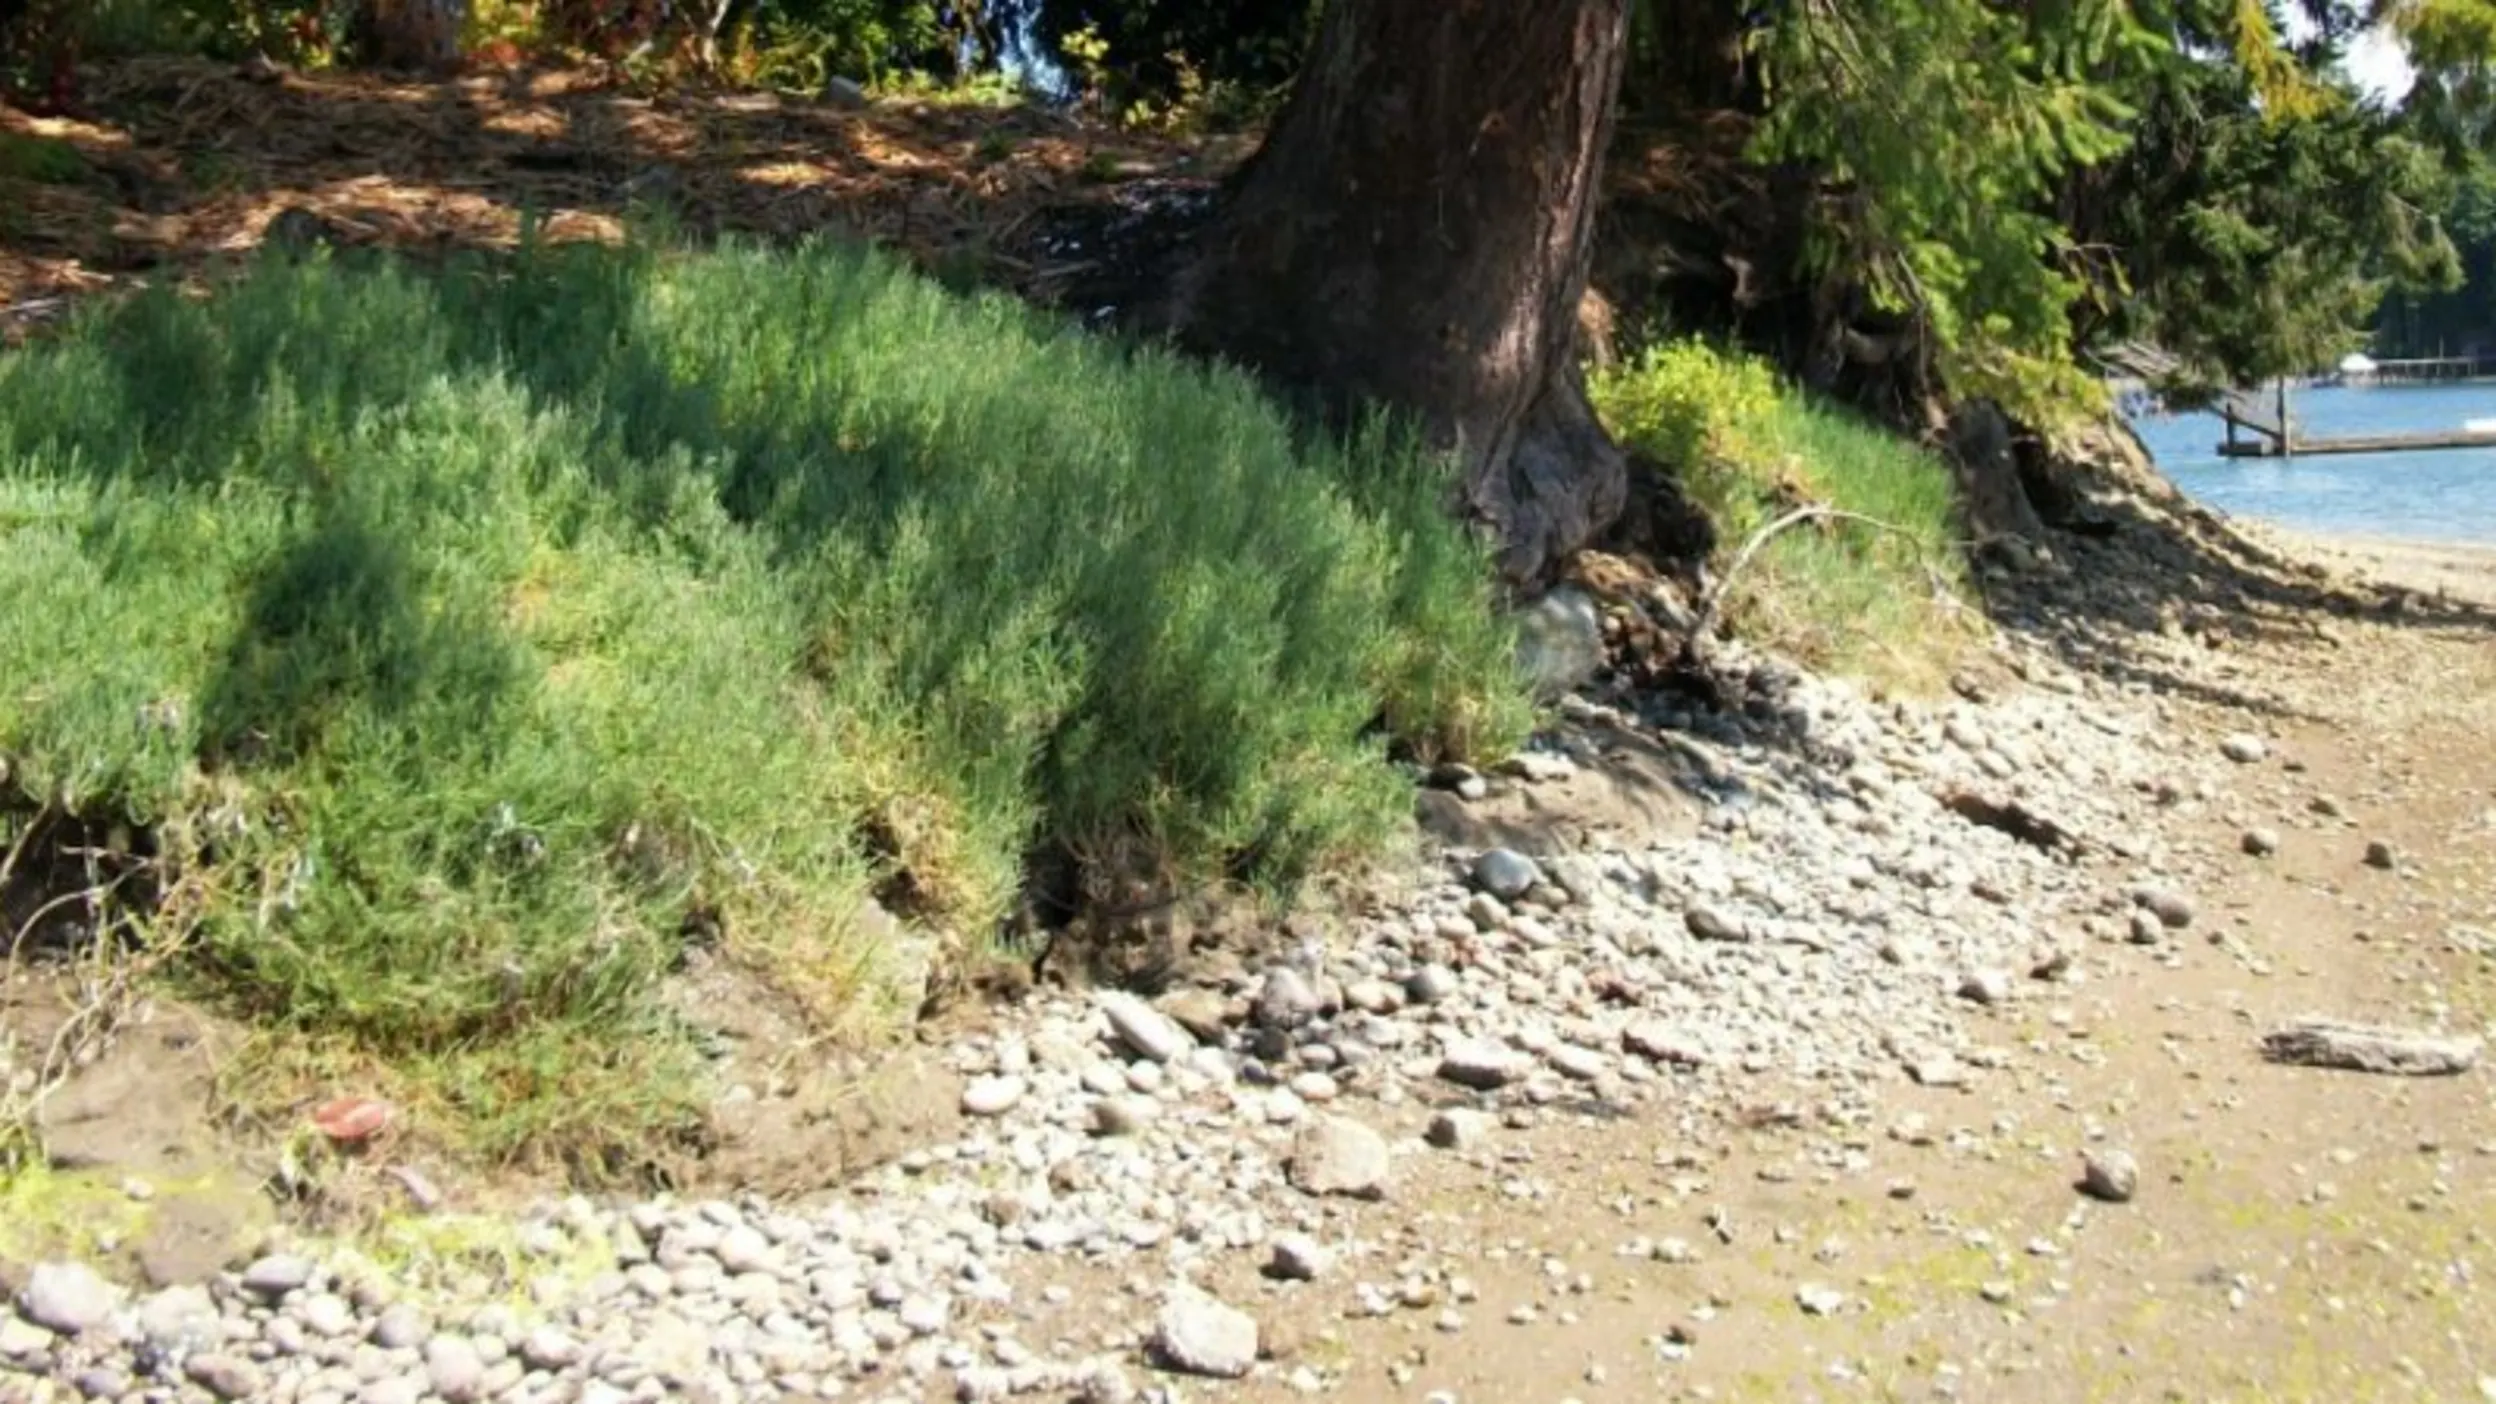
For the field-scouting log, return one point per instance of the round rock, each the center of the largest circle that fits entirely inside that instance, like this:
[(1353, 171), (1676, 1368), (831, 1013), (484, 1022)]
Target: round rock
[(1506, 874), (1335, 1155), (1297, 1257), (1459, 1129), (1482, 1065), (1430, 984), (1125, 1115), (455, 1369), (992, 1096), (276, 1275), (1287, 1000), (2111, 1175), (1145, 1031), (225, 1376), (66, 1297), (1197, 1335)]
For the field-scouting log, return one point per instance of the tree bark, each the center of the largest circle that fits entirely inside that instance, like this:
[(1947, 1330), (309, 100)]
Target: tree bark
[(410, 34), (1415, 233)]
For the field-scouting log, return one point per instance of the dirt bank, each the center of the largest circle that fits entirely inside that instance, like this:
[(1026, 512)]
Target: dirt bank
[(1780, 1086)]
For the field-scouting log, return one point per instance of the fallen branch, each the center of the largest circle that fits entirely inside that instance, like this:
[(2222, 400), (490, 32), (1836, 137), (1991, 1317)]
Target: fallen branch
[(1712, 602), (2316, 1042)]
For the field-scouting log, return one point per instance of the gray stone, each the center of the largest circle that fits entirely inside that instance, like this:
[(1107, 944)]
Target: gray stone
[(2173, 909), (102, 1382), (1197, 1335), (1373, 997), (743, 1249), (326, 1314), (400, 1327), (1459, 1129), (1144, 1030), (181, 1319), (66, 1297), (1939, 1070), (2111, 1175), (454, 1369), (923, 1315), (1103, 1382), (1506, 874), (276, 1275), (1333, 1155), (23, 1340), (847, 94), (1658, 1041), (547, 1348), (992, 1096), (1297, 1257), (1204, 1014), (1578, 1063), (1482, 1065), (225, 1376), (1560, 641), (1430, 984), (1817, 1300), (1123, 1115), (1287, 1000), (2243, 749), (1711, 923), (1540, 767), (1988, 987)]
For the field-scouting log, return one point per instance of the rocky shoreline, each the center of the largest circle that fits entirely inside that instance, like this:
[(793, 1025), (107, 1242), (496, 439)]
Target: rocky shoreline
[(1854, 893)]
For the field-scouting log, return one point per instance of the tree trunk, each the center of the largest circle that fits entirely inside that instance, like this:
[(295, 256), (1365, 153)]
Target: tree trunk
[(410, 34), (1415, 233)]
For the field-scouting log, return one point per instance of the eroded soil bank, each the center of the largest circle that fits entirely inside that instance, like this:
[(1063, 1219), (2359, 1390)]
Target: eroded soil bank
[(1746, 1055)]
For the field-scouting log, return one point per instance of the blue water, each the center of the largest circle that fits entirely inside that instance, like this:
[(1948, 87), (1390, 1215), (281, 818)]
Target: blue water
[(2448, 495)]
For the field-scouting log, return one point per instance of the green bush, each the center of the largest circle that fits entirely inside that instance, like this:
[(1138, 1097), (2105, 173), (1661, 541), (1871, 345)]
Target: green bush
[(477, 640), (1874, 589)]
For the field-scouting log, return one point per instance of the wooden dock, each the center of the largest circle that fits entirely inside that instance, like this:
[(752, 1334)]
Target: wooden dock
[(2261, 446), (2271, 433), (2260, 426)]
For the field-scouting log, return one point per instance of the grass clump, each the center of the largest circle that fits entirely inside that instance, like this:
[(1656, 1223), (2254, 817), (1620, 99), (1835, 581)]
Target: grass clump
[(42, 160), (1873, 590), (475, 641)]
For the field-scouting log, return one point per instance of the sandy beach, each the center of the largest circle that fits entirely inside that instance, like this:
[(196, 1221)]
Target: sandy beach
[(2458, 570)]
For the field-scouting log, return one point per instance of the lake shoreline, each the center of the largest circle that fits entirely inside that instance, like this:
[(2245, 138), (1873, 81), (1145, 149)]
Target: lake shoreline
[(2393, 502), (2462, 569)]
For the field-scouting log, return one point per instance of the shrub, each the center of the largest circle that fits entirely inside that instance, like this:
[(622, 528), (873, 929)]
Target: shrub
[(1875, 589), (476, 641)]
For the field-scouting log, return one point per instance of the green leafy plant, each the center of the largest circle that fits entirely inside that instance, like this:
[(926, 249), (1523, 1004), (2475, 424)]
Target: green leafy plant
[(1875, 587), (476, 642)]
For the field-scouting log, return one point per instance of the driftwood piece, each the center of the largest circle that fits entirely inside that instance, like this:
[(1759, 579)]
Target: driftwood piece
[(2330, 1043), (2016, 819)]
